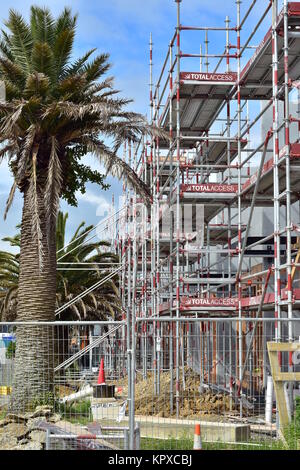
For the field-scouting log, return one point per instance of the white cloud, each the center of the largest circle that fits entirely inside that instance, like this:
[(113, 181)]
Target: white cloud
[(94, 199)]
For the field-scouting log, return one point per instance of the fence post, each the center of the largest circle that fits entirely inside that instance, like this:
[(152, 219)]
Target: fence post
[(126, 439), (137, 445), (48, 440)]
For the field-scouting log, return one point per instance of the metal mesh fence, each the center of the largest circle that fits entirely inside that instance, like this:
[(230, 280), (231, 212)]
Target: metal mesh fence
[(229, 376), (62, 381), (216, 373)]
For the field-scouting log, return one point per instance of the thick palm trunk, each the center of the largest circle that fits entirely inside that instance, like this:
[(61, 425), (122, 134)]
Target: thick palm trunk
[(33, 373)]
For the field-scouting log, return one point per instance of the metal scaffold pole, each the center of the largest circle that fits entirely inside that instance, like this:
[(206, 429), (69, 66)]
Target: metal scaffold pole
[(152, 218), (277, 286), (178, 212), (129, 294), (171, 221), (239, 113), (157, 234), (289, 226), (228, 125), (134, 261), (142, 280)]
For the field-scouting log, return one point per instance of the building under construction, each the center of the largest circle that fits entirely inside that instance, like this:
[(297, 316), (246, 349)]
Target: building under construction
[(220, 240)]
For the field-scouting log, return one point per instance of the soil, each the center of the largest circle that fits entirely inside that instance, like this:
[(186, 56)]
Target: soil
[(192, 403)]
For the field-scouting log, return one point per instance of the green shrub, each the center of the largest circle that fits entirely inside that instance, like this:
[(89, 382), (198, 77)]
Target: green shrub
[(78, 412), (11, 350)]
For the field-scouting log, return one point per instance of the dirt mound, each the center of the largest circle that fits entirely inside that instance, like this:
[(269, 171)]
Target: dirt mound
[(192, 403)]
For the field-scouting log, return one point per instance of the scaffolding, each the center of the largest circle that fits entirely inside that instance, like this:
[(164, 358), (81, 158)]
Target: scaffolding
[(190, 253), (205, 289)]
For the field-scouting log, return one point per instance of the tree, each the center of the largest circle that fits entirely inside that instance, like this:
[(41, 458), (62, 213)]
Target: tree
[(56, 111), (102, 304), (9, 278)]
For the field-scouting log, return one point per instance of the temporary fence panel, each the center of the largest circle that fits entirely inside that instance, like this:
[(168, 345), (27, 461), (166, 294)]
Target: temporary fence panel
[(231, 414), (38, 396)]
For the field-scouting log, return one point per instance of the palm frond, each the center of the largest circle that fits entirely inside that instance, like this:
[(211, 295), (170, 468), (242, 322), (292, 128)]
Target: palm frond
[(94, 299), (131, 127), (20, 39), (66, 20), (37, 84), (13, 241), (5, 46), (42, 25), (76, 311), (61, 230), (8, 313), (42, 59), (117, 167), (102, 110), (10, 199), (12, 91), (7, 150), (63, 48), (53, 185), (9, 122), (34, 207), (79, 234), (26, 152), (101, 91), (98, 67), (83, 307), (70, 86), (10, 71), (76, 67)]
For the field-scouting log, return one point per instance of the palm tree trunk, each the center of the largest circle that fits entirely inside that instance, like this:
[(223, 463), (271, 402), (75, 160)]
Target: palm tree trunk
[(33, 373)]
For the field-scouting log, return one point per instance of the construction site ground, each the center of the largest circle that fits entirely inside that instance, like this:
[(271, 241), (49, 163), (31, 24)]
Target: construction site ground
[(192, 403)]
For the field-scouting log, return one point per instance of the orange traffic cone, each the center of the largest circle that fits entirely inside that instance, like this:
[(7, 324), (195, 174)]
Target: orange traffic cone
[(197, 438), (101, 375)]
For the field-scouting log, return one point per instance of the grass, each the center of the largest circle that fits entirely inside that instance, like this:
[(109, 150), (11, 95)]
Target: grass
[(78, 419), (76, 413), (187, 444), (291, 434), (166, 444)]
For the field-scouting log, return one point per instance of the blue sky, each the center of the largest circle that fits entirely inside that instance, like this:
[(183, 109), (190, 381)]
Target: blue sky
[(122, 28)]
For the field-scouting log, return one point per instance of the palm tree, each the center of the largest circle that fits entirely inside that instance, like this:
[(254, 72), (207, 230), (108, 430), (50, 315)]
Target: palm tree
[(9, 278), (55, 112), (102, 304)]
